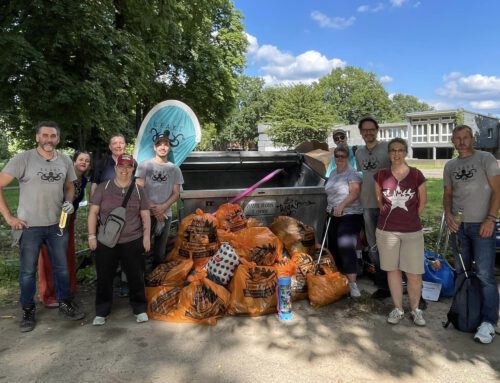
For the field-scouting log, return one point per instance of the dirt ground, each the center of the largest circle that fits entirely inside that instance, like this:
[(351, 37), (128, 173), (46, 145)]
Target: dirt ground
[(348, 341)]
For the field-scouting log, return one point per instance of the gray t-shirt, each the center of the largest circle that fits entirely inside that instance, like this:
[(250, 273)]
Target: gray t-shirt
[(159, 180), (469, 179), (369, 162), (337, 189), (41, 186)]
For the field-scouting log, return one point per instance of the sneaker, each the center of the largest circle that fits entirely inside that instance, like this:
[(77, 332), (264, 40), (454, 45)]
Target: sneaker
[(70, 311), (485, 333), (395, 316), (141, 318), (123, 292), (355, 293), (381, 294), (99, 321), (28, 322), (418, 317)]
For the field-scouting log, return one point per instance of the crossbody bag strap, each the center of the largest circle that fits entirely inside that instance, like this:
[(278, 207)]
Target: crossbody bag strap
[(129, 193)]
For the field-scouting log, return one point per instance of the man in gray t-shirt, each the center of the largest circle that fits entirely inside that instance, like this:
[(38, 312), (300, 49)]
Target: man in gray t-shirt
[(45, 189), (162, 182), (472, 186), (369, 159)]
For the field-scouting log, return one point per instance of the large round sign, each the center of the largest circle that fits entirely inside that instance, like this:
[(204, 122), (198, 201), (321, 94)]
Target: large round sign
[(175, 120)]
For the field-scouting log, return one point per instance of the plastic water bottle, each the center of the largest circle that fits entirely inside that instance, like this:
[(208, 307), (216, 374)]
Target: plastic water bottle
[(458, 216)]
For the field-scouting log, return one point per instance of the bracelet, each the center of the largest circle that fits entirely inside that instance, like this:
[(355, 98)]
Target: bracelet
[(92, 236), (492, 216)]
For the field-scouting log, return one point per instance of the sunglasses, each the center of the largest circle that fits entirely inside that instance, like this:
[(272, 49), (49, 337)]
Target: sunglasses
[(340, 156), (339, 138)]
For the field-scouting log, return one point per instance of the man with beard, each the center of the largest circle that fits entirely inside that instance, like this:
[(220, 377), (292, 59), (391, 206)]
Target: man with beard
[(162, 182), (45, 188), (472, 186), (369, 159)]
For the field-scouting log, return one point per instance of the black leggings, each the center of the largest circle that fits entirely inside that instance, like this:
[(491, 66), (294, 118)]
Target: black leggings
[(342, 240)]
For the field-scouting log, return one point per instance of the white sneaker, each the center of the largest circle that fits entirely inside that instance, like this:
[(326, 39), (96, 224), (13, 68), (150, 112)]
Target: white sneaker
[(99, 321), (395, 316), (485, 333), (418, 317), (355, 293), (141, 318)]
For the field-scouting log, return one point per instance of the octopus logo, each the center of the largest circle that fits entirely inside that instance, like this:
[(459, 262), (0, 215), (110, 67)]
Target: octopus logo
[(159, 177), (50, 176), (370, 163), (464, 174), (174, 140)]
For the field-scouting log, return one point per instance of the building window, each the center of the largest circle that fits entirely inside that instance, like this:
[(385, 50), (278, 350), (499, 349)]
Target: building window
[(434, 133), (419, 133), (490, 133), (446, 129)]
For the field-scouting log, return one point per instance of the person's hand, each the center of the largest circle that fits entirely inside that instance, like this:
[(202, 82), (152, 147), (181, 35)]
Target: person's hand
[(158, 211), (146, 242), (450, 222), (337, 210), (68, 207), (486, 229), (16, 223), (93, 243)]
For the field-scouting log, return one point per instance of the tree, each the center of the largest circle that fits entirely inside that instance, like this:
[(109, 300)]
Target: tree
[(249, 109), (98, 67), (405, 103), (354, 93), (300, 115)]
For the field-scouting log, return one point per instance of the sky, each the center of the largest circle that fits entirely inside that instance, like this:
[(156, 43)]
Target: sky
[(444, 52)]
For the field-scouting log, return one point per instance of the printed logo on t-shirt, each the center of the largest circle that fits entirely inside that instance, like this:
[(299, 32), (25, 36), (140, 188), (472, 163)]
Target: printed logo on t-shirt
[(50, 175), (371, 163), (464, 173), (399, 197), (159, 176)]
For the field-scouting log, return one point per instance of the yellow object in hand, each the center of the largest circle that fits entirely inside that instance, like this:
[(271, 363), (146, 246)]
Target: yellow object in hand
[(62, 220)]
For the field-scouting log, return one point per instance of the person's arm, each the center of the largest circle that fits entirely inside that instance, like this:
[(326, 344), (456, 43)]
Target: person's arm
[(447, 206), (139, 181), (12, 221), (146, 229), (69, 191), (354, 190), (422, 198), (92, 226), (488, 225), (93, 186), (160, 209), (378, 196)]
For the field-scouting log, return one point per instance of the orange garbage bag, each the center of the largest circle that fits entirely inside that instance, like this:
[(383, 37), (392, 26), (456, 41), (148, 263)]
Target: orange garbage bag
[(285, 268), (171, 273), (295, 235), (326, 258), (326, 287), (161, 300), (253, 290), (201, 302), (258, 245), (230, 217), (197, 239), (305, 265)]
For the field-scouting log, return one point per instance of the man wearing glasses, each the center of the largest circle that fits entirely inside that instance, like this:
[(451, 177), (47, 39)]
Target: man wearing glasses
[(370, 158), (340, 139)]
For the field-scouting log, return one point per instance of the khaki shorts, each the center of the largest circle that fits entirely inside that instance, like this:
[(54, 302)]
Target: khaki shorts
[(401, 251)]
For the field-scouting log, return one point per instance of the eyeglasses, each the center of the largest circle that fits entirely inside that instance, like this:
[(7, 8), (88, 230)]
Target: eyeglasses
[(397, 151), (340, 156), (339, 138)]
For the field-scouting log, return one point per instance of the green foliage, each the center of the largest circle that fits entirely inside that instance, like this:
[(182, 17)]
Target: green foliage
[(209, 139), (405, 103), (354, 93), (250, 107), (98, 67), (459, 117), (300, 115)]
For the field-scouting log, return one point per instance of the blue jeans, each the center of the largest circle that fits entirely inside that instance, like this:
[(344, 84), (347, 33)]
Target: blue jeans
[(370, 217), (482, 252), (30, 242)]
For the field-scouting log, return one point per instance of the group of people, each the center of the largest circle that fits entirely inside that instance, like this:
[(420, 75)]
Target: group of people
[(51, 184), (373, 189)]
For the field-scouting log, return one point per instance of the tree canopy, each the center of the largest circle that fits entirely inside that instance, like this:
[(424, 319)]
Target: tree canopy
[(405, 103), (97, 67)]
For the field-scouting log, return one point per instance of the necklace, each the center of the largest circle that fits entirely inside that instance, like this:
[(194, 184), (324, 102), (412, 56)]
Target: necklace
[(123, 187)]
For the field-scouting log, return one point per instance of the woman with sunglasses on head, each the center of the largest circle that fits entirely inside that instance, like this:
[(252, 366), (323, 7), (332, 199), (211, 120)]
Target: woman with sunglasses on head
[(401, 195), (340, 139), (46, 288), (342, 191)]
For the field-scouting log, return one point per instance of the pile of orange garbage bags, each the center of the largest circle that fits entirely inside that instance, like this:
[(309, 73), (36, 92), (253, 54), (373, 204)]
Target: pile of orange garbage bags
[(225, 264)]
